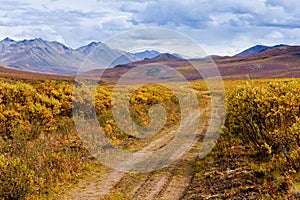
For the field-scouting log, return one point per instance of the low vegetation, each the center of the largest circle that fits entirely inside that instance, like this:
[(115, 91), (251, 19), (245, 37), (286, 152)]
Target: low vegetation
[(39, 147), (258, 152)]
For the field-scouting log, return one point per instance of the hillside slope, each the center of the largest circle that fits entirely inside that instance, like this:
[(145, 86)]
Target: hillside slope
[(280, 62), (42, 56)]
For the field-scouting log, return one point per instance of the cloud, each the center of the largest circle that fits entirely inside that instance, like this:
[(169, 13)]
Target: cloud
[(70, 24), (163, 40), (203, 13), (174, 14), (225, 27), (222, 26)]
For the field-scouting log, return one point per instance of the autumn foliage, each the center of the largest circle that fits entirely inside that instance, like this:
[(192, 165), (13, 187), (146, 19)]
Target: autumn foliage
[(268, 117), (40, 150)]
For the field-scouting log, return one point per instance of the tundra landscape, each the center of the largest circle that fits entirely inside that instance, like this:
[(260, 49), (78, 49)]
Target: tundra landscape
[(257, 154), (143, 100)]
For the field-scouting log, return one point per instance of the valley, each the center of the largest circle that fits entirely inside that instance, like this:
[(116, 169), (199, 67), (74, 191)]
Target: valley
[(42, 156)]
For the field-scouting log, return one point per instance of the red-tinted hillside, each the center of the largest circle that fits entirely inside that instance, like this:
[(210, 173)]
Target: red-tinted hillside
[(277, 62), (24, 75), (280, 62)]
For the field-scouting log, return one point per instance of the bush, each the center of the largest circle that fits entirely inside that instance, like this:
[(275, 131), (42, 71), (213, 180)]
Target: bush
[(25, 111), (32, 168), (267, 117), (39, 148)]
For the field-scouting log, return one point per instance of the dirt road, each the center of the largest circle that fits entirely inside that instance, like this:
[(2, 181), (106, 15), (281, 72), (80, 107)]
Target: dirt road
[(170, 182)]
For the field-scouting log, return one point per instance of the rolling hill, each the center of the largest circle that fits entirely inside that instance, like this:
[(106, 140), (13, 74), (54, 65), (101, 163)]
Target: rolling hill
[(27, 57), (277, 62), (8, 73), (281, 61)]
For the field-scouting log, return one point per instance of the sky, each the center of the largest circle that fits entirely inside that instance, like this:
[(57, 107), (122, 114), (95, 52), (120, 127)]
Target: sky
[(220, 27)]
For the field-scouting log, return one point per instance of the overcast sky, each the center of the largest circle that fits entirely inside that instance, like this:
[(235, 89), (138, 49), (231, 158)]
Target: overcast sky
[(223, 27)]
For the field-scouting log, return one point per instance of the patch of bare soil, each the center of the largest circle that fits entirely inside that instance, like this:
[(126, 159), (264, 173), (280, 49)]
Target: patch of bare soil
[(95, 185), (168, 183)]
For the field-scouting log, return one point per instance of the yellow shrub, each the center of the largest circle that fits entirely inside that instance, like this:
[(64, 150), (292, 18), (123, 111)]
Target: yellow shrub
[(267, 117)]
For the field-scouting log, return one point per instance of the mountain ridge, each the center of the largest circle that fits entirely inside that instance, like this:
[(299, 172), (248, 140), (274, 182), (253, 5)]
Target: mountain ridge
[(44, 56), (147, 54), (38, 55), (257, 49)]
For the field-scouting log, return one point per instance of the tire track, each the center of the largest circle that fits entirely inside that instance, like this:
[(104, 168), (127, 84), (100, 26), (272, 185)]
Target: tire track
[(168, 183), (94, 186)]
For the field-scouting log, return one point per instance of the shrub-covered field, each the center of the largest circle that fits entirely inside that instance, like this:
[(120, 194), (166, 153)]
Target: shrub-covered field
[(39, 147), (258, 153), (40, 151)]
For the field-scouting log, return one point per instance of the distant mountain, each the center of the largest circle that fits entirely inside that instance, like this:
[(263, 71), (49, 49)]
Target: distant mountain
[(4, 44), (7, 39), (180, 56), (39, 55), (281, 61), (152, 53), (257, 49), (166, 57), (100, 53), (146, 54), (88, 48), (146, 69)]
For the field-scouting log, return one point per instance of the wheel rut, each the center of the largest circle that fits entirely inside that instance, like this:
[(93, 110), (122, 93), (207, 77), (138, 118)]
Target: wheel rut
[(169, 182)]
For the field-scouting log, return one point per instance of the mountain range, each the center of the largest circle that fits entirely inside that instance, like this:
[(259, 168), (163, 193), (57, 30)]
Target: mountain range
[(38, 55), (257, 49), (279, 62)]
